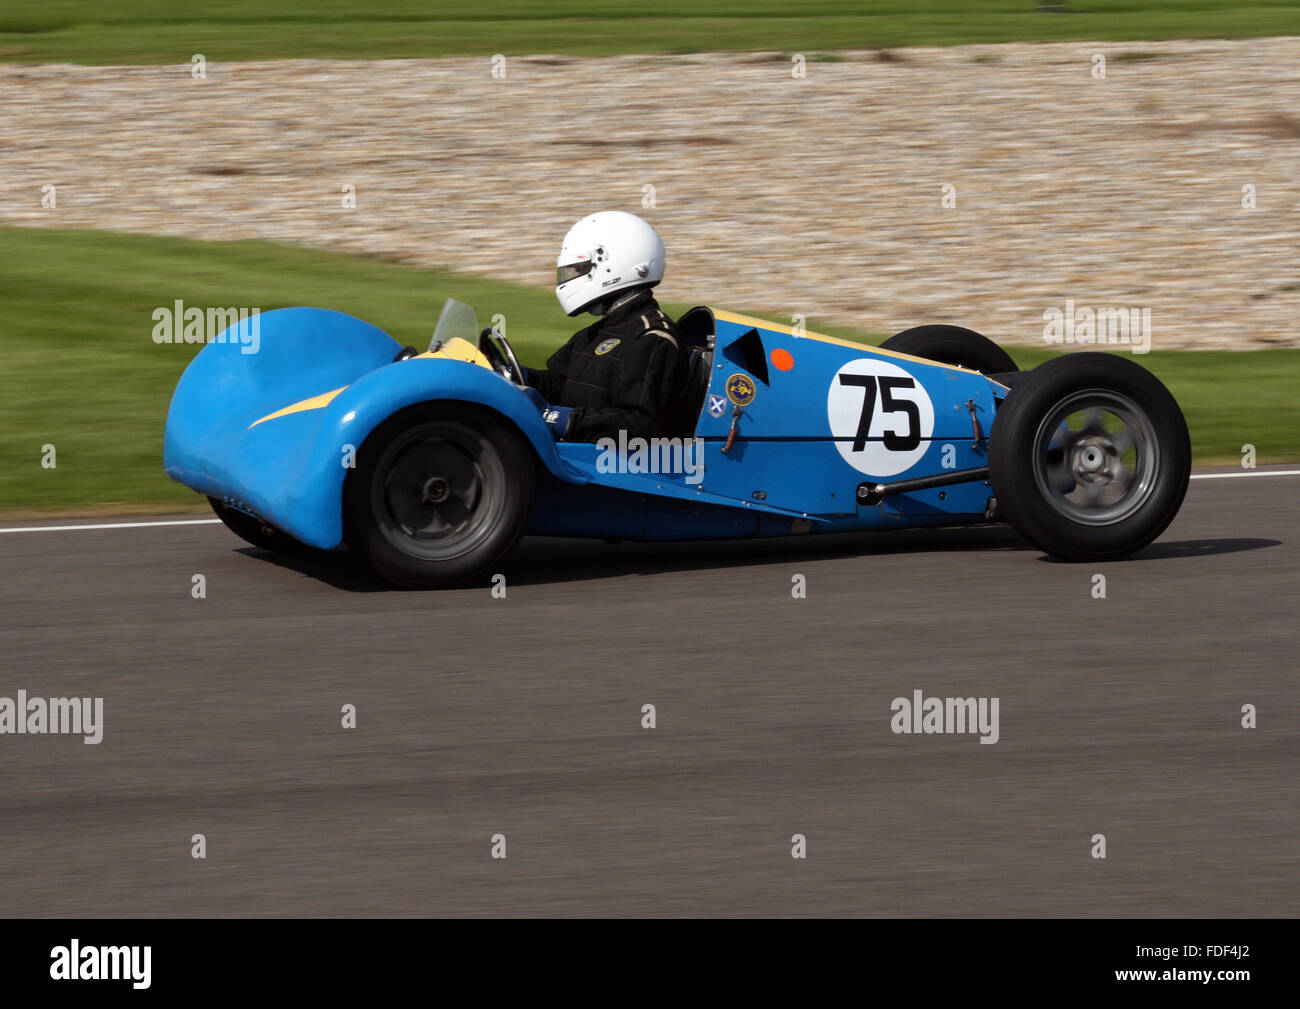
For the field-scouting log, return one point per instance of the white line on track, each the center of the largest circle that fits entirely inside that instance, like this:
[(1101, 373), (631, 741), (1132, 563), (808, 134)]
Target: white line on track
[(1251, 472), (111, 525), (211, 522)]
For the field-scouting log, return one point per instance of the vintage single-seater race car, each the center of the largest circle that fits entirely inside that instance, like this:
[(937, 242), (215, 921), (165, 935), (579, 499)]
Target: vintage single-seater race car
[(432, 465)]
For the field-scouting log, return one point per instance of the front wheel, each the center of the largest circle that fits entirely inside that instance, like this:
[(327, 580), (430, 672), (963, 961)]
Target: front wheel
[(1089, 457), (441, 492)]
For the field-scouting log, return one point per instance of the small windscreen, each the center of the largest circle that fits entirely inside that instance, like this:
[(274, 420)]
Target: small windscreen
[(457, 320)]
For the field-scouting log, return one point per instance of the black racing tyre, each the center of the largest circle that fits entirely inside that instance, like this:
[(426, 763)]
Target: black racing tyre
[(254, 530), (440, 493), (952, 345), (1089, 457)]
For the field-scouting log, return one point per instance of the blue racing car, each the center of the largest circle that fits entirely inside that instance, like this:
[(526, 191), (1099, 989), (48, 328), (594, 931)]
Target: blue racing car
[(432, 465)]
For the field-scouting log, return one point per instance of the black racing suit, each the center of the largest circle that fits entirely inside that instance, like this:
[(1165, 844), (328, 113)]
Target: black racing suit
[(623, 372)]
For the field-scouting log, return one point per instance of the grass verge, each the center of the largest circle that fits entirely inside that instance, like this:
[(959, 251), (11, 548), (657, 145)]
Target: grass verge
[(168, 32), (79, 369)]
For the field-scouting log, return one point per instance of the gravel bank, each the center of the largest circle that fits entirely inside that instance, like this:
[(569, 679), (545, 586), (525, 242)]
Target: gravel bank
[(820, 196)]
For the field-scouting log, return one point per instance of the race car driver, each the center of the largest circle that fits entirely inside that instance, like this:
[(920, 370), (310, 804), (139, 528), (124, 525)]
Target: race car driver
[(626, 370)]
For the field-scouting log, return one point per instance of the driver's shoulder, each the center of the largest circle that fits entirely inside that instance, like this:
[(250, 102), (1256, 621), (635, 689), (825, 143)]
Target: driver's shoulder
[(652, 323)]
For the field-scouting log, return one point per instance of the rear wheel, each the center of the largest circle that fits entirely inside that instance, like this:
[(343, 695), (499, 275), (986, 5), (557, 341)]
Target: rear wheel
[(254, 530), (952, 345), (441, 492), (1089, 457)]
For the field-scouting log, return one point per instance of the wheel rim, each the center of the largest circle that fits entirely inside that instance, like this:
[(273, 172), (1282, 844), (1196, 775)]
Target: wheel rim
[(1096, 457), (438, 491)]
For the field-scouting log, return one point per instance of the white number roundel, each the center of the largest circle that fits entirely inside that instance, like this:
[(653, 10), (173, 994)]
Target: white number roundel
[(880, 416)]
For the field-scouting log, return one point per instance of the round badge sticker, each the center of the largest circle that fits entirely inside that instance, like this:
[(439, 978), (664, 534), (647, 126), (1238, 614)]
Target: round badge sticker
[(880, 416), (740, 389), (606, 346)]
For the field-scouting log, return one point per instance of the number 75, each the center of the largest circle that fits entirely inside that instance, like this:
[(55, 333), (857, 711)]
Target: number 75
[(894, 440)]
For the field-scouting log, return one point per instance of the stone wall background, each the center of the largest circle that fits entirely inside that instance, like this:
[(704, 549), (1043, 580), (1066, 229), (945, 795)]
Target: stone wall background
[(819, 196)]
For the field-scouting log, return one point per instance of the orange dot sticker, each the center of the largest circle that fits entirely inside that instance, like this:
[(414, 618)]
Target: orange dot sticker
[(782, 359)]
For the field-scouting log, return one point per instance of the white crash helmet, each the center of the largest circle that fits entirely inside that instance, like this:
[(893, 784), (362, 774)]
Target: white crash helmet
[(605, 253)]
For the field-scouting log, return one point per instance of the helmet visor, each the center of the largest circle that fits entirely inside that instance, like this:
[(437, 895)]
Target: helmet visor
[(563, 274)]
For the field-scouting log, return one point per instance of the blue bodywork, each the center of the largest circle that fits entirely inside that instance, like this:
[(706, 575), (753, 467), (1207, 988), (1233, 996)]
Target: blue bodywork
[(244, 428)]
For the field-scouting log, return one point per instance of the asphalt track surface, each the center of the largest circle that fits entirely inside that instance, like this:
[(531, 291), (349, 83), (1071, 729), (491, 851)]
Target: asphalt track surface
[(522, 716)]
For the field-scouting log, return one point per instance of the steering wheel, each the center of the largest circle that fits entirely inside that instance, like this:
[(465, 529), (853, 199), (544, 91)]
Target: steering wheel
[(496, 348)]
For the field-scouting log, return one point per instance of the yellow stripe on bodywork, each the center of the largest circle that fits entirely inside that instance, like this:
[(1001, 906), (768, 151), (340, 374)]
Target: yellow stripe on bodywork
[(454, 349), (313, 403), (776, 327), (457, 349)]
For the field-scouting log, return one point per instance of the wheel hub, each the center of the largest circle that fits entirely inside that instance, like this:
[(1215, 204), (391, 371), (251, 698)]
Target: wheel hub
[(1094, 461), (436, 490)]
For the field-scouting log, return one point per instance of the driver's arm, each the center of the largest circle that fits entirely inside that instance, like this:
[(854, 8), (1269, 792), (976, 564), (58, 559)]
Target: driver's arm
[(550, 381)]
